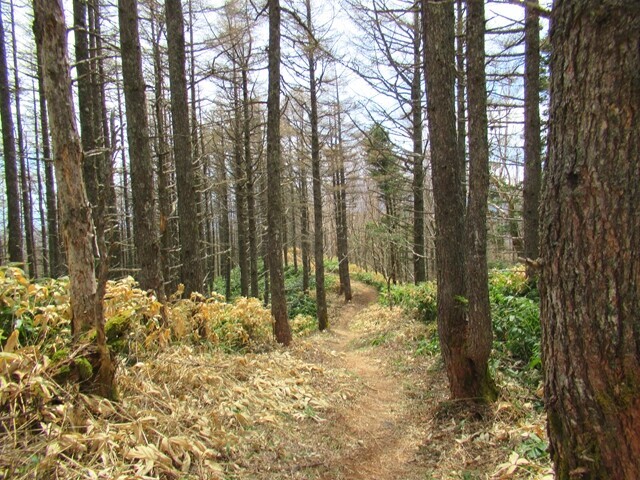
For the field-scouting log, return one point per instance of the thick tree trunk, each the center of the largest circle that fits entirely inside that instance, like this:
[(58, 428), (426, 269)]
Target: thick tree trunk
[(590, 233), (16, 253), (144, 212), (191, 273), (282, 330), (440, 72), (479, 329), (532, 147), (75, 210), (318, 229)]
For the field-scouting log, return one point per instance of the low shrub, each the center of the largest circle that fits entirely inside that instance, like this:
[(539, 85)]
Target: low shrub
[(419, 301)]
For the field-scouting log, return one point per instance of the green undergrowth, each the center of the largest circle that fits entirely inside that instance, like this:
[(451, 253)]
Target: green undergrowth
[(515, 311)]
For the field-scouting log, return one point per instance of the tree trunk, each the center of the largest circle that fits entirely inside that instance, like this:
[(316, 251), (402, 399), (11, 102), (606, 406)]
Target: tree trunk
[(305, 244), (85, 103), (318, 230), (25, 174), (419, 265), (282, 330), (438, 18), (225, 233), (191, 273), (342, 233), (479, 329), (16, 253), (75, 210), (56, 268), (532, 147), (239, 172), (144, 214), (250, 190), (590, 234), (460, 88)]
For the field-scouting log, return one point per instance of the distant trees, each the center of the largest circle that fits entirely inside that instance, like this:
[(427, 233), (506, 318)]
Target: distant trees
[(590, 227)]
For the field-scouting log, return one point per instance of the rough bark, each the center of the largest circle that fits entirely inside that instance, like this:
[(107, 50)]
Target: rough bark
[(75, 210), (144, 212), (55, 254), (460, 89), (281, 327), (85, 103), (479, 329), (419, 263), (590, 232), (190, 271), (532, 146), (14, 223), (438, 17)]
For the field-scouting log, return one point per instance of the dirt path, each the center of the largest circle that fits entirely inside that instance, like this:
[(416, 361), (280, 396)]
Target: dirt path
[(378, 435)]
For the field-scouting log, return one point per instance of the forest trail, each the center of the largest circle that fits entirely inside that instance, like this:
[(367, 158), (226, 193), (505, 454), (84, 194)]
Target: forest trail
[(377, 437)]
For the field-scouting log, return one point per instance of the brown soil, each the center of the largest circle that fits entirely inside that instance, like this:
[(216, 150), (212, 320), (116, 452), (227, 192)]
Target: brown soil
[(379, 436)]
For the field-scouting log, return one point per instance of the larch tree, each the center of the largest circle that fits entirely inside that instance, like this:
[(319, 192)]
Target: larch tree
[(25, 183), (16, 252), (590, 232), (479, 330), (75, 210), (532, 144), (463, 337), (55, 253), (146, 234), (190, 270), (282, 330), (321, 297)]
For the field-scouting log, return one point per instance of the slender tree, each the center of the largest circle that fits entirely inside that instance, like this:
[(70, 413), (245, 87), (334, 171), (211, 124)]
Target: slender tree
[(282, 329), (55, 253), (190, 271), (75, 210), (590, 231), (25, 176), (321, 299), (16, 253), (532, 147)]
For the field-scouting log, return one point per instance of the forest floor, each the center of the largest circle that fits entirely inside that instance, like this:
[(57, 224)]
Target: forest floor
[(365, 400), (396, 423)]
